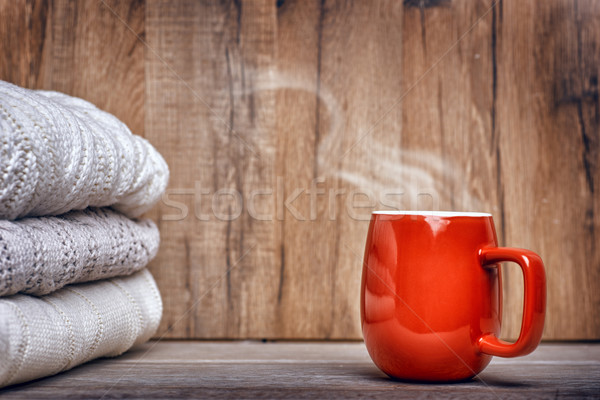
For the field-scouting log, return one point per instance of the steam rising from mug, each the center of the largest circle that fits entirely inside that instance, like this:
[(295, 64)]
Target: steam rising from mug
[(358, 158)]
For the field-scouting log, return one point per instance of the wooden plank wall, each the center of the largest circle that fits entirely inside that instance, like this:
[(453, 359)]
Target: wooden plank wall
[(314, 113)]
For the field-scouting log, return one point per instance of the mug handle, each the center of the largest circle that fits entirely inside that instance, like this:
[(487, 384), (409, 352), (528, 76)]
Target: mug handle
[(534, 307)]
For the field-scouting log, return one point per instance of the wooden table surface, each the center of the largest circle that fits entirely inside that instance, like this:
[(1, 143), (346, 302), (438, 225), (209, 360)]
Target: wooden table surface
[(308, 370)]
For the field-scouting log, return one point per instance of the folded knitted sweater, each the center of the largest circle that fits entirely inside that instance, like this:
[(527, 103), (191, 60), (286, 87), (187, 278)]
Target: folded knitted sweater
[(40, 255), (41, 336), (60, 153)]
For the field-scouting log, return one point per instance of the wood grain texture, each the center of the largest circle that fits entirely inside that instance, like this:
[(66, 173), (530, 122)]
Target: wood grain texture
[(299, 29), (308, 370), (549, 140), (449, 116), (212, 117), (361, 81), (78, 48), (303, 116)]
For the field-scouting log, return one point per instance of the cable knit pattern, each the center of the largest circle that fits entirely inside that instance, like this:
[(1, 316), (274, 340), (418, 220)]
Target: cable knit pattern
[(54, 333), (60, 159), (41, 255), (59, 153)]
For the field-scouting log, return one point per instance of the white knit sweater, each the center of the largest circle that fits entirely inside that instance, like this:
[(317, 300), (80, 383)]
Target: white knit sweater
[(40, 255), (46, 335), (59, 153)]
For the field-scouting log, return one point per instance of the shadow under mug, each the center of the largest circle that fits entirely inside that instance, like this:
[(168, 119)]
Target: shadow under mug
[(431, 295)]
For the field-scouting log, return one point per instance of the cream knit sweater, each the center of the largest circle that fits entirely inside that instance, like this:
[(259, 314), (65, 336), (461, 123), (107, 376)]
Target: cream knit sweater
[(40, 255), (59, 153), (60, 158), (46, 335)]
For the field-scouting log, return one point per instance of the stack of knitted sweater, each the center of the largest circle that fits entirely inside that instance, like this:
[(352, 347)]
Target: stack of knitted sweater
[(73, 183)]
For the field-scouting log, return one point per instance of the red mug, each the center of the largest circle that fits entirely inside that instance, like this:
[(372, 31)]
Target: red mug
[(431, 295)]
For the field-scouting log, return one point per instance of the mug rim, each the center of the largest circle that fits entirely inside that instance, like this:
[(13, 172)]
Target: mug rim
[(433, 213)]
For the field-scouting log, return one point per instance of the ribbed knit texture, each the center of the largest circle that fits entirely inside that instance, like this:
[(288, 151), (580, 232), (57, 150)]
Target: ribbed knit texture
[(41, 255), (63, 163), (59, 153), (47, 335)]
